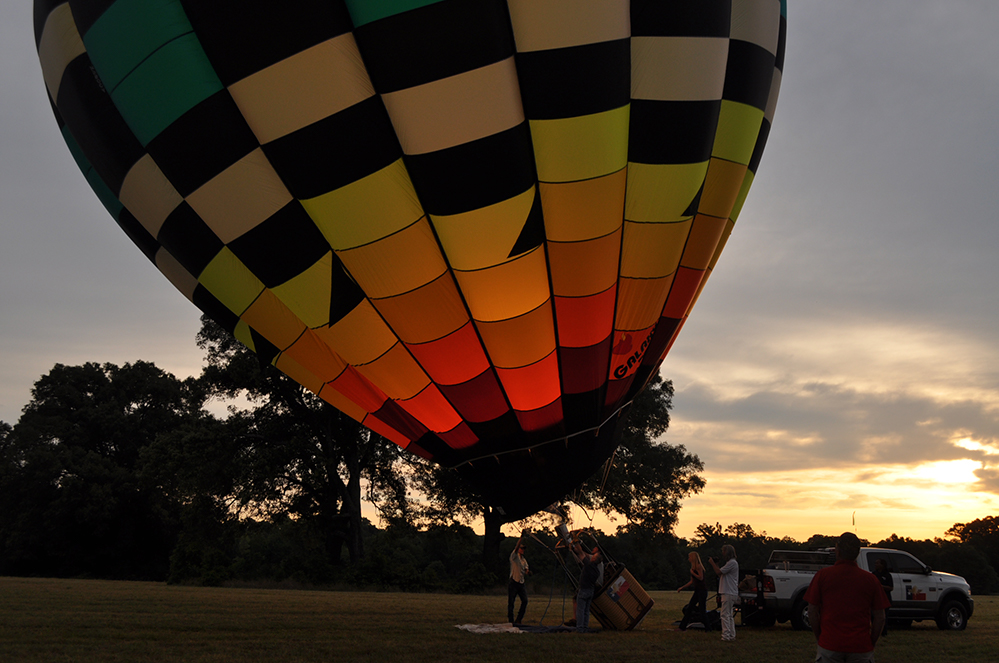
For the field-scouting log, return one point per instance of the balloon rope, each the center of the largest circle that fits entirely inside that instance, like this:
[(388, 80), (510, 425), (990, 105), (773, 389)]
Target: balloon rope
[(565, 584), (585, 512), (551, 595), (565, 439), (607, 468)]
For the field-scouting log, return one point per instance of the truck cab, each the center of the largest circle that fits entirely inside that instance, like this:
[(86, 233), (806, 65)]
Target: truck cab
[(919, 592)]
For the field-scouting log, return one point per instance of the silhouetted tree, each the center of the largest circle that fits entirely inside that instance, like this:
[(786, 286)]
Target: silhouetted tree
[(982, 533), (751, 547), (447, 499), (646, 479), (299, 455), (75, 498), (199, 465)]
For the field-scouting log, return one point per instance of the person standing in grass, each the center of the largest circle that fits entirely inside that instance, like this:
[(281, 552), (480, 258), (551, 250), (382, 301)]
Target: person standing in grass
[(698, 602), (519, 570), (846, 607), (728, 588), (884, 577), (589, 578)]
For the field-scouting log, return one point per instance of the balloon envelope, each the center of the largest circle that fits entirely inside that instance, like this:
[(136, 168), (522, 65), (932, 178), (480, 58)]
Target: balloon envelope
[(475, 226)]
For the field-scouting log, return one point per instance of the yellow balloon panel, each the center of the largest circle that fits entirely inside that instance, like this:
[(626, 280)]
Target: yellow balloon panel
[(735, 137), (653, 250), (366, 210), (721, 188), (663, 192), (230, 282), (583, 210), (581, 148), (486, 236), (308, 294)]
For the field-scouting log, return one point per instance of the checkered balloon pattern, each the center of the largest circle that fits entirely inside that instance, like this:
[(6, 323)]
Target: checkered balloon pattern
[(475, 226)]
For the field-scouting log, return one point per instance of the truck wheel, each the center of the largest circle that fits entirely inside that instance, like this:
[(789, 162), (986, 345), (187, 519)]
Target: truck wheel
[(799, 616), (952, 617)]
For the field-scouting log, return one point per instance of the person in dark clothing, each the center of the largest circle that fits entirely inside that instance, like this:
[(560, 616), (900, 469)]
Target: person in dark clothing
[(698, 602), (587, 585), (884, 577)]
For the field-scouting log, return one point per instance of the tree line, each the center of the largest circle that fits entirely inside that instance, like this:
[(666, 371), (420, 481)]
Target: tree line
[(123, 472)]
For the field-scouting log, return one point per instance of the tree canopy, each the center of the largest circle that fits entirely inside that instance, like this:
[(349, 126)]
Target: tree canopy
[(299, 455), (647, 478), (74, 494)]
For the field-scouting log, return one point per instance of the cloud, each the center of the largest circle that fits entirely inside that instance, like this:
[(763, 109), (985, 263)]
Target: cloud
[(823, 425), (783, 402), (915, 501), (988, 479)]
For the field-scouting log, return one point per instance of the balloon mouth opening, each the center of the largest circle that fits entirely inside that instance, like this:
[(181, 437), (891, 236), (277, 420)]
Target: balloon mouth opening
[(519, 483)]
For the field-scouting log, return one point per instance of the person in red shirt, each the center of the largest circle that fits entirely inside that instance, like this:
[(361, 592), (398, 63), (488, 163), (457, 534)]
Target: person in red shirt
[(846, 607)]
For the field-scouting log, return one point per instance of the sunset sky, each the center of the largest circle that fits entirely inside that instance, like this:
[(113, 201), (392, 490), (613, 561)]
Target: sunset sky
[(843, 358)]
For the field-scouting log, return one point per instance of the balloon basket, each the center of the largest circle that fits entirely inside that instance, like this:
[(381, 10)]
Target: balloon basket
[(622, 603)]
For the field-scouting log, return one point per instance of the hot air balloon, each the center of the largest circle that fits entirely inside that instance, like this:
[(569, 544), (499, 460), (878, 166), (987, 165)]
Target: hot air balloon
[(476, 226)]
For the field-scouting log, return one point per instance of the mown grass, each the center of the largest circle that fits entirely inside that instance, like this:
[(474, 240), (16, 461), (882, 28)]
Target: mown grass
[(93, 620)]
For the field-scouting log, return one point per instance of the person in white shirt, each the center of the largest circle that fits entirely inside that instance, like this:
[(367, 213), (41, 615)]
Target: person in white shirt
[(728, 588), (518, 574)]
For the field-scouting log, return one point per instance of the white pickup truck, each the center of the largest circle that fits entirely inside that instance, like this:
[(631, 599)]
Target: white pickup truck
[(776, 593)]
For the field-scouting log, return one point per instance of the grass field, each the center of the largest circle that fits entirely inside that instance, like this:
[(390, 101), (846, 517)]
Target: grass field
[(93, 620)]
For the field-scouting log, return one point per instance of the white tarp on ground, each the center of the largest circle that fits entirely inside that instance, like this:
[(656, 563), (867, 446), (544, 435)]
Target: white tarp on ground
[(489, 628)]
